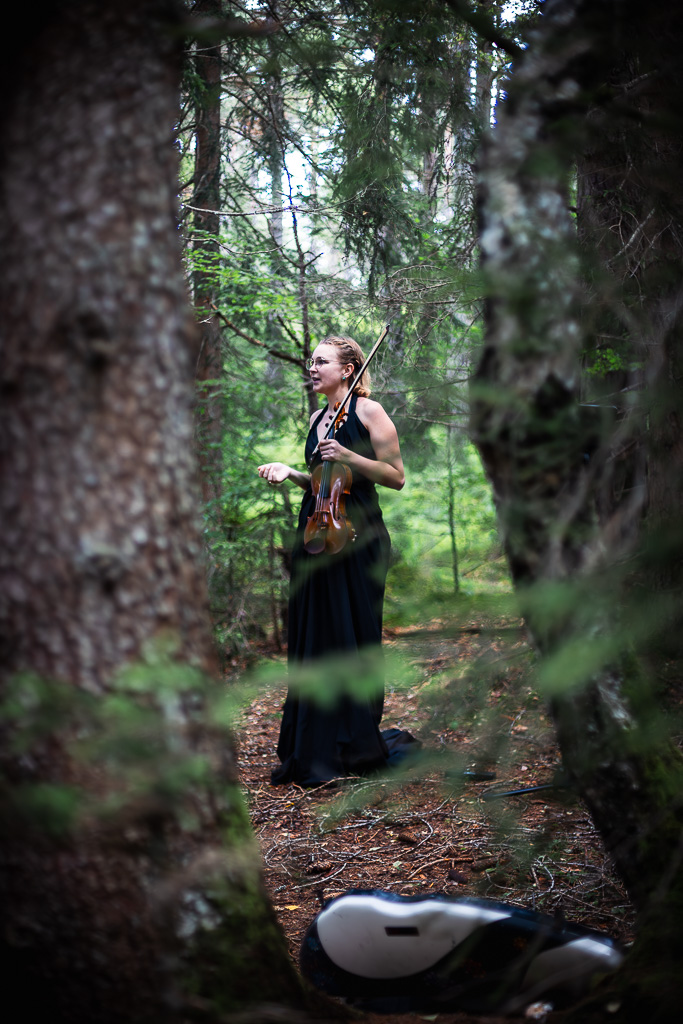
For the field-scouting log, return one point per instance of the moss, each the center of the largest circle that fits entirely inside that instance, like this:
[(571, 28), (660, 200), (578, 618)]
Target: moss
[(243, 960)]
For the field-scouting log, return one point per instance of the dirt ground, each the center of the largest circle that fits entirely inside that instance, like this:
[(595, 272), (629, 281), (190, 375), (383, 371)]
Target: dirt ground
[(437, 830)]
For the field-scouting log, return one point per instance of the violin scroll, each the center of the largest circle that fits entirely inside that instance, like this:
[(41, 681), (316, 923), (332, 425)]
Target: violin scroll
[(341, 418)]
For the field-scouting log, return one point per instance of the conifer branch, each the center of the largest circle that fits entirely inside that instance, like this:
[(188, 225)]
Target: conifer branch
[(261, 344), (484, 26)]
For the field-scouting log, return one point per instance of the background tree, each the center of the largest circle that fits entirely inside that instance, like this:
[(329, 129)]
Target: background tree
[(205, 203), (314, 205)]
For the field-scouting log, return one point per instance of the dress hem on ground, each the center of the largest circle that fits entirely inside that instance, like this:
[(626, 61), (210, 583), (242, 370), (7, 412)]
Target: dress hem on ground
[(400, 745)]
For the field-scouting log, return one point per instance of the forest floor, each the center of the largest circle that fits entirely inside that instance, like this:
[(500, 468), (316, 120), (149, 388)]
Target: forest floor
[(435, 830)]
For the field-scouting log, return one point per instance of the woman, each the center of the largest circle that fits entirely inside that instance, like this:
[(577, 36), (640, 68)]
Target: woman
[(336, 600)]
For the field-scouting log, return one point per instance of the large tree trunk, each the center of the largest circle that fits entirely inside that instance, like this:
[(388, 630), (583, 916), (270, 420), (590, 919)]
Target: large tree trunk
[(544, 456), (148, 896), (630, 222)]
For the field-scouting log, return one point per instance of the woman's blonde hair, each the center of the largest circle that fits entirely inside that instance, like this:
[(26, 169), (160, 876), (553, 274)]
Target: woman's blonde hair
[(351, 352)]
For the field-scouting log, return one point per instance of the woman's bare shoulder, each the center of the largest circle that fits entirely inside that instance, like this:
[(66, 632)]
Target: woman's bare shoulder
[(369, 411)]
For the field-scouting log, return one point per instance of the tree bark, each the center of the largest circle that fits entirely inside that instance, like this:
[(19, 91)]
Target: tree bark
[(206, 198), (146, 901), (630, 221), (450, 459), (543, 458)]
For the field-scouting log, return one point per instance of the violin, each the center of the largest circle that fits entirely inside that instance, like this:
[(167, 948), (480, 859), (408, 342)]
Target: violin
[(329, 528)]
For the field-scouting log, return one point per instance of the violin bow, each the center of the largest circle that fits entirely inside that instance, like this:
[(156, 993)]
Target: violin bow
[(333, 426)]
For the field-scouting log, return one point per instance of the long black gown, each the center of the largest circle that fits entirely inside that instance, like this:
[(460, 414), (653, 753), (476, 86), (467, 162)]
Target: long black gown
[(335, 605)]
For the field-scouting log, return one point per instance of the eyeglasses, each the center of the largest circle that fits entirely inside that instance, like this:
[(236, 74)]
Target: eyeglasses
[(310, 363)]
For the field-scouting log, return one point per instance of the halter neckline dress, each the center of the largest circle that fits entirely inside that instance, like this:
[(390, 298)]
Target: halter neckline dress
[(335, 608)]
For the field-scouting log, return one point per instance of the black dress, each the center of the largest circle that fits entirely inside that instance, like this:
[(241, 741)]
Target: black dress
[(335, 605)]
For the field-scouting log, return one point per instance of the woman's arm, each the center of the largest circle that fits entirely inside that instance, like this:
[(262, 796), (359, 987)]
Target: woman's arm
[(388, 469), (278, 472)]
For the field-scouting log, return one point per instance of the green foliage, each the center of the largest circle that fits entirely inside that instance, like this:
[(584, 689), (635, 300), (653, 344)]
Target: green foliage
[(134, 740), (409, 95), (360, 675), (421, 576), (347, 201), (605, 361)]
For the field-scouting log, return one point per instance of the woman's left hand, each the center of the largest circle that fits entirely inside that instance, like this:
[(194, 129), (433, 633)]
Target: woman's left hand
[(332, 451)]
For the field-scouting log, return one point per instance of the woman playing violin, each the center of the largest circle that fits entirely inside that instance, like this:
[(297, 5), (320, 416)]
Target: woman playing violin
[(335, 604)]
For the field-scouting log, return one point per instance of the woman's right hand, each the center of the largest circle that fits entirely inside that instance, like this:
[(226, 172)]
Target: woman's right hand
[(275, 472)]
